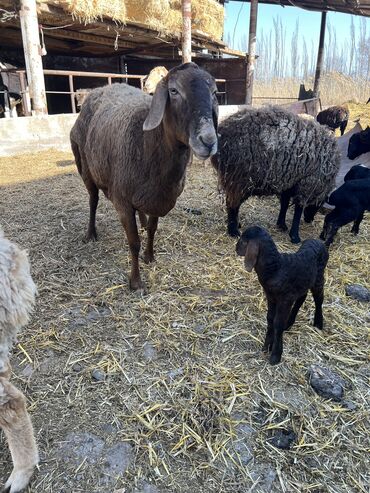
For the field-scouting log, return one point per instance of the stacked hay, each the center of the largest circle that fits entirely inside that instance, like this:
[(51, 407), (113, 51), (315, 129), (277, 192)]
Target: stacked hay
[(90, 10), (161, 15)]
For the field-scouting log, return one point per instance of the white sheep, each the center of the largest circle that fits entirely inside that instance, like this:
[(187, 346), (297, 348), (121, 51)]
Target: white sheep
[(17, 297)]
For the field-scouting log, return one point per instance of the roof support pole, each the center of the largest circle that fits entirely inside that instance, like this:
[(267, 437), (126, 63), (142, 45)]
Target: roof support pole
[(320, 56), (186, 31), (32, 55), (251, 56)]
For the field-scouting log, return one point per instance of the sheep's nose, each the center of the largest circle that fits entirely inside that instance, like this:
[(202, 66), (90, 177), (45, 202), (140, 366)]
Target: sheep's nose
[(209, 140)]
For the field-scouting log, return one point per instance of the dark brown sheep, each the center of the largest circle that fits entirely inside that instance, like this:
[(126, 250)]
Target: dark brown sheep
[(286, 279), (136, 148), (334, 117)]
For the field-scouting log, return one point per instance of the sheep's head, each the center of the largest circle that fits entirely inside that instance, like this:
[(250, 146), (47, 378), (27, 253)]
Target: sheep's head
[(359, 143), (155, 76), (248, 245), (185, 101)]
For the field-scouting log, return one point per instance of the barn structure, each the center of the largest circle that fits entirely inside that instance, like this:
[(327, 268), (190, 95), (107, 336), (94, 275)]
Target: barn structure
[(85, 44)]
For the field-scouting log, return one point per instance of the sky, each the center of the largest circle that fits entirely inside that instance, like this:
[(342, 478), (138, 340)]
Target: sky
[(309, 22)]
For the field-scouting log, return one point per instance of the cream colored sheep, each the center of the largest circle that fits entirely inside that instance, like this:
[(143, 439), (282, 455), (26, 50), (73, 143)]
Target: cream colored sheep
[(17, 297), (152, 79)]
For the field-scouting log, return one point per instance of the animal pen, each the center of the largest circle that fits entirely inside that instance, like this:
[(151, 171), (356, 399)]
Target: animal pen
[(169, 392)]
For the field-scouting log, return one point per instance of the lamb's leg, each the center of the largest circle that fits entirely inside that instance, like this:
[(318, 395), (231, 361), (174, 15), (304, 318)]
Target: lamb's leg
[(293, 314), (143, 220), (280, 322), (284, 204), (128, 220), (267, 346), (152, 228), (356, 225), (318, 296), (18, 430), (294, 230), (94, 199)]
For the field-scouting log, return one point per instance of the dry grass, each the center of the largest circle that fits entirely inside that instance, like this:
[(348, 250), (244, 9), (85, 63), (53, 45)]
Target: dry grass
[(187, 386), (161, 15), (335, 88)]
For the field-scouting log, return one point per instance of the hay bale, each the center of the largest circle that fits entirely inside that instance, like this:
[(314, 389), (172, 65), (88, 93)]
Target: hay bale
[(91, 10), (161, 15)]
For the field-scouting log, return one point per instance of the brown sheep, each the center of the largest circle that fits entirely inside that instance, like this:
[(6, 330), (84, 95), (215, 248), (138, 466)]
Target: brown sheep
[(136, 148)]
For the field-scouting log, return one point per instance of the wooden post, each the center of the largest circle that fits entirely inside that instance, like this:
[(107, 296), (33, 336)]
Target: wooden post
[(186, 31), (251, 56), (32, 55), (320, 56), (72, 91)]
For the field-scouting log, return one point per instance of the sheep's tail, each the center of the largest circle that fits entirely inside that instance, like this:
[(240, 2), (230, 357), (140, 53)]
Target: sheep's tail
[(77, 155)]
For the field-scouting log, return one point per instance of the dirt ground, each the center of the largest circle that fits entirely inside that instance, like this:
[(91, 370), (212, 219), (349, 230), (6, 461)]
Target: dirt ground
[(169, 391)]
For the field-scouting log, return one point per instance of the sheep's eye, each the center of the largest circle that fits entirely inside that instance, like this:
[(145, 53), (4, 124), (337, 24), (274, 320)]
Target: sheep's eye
[(173, 91)]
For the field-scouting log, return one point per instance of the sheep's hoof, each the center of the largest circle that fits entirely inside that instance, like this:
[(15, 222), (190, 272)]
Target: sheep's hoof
[(319, 324), (295, 239), (148, 258), (282, 226), (91, 236), (322, 236), (275, 359), (138, 285), (234, 233), (18, 480), (354, 232)]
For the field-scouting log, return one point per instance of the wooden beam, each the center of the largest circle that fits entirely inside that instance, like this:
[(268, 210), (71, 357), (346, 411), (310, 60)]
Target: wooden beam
[(32, 55), (186, 31), (251, 57), (320, 56)]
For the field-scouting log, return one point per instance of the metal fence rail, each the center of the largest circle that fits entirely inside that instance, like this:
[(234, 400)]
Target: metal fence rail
[(71, 74)]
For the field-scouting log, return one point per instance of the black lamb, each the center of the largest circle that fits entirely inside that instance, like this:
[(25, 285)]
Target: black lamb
[(286, 278), (351, 200), (357, 172), (334, 117)]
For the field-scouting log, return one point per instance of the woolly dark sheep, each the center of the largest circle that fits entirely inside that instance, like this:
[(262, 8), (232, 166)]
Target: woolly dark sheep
[(359, 144), (270, 151), (286, 279), (334, 117), (135, 148)]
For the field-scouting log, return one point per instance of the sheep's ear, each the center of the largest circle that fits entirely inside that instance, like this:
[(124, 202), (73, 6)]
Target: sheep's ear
[(251, 255), (157, 107)]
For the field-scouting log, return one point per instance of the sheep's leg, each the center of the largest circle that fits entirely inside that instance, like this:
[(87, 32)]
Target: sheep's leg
[(152, 228), (128, 220), (284, 204), (17, 426), (267, 346), (294, 230), (318, 296), (293, 314), (143, 220), (94, 199), (280, 322), (233, 221), (356, 225)]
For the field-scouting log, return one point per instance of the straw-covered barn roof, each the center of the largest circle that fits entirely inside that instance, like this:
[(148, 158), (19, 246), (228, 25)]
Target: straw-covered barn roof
[(103, 27)]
